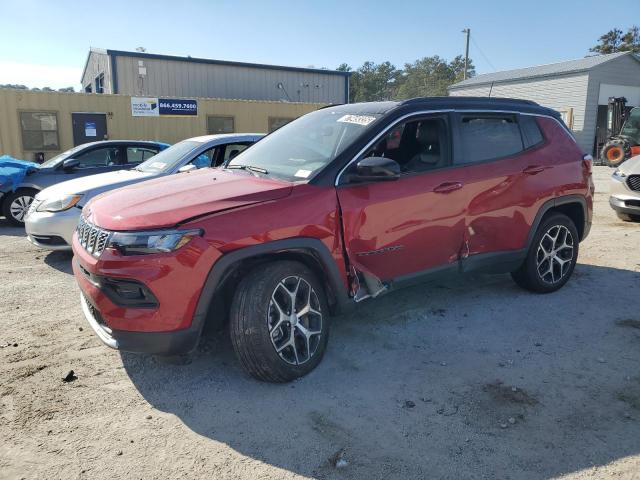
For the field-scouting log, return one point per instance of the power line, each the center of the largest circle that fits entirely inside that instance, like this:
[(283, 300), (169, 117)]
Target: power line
[(482, 53)]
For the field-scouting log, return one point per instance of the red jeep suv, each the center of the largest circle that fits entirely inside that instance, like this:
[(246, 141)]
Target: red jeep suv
[(340, 205)]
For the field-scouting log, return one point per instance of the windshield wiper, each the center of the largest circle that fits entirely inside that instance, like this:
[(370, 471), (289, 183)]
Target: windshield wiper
[(251, 168)]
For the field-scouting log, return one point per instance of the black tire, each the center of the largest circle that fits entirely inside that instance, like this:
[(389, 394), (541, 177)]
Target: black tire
[(615, 152), (529, 276), (253, 313), (15, 197), (626, 217)]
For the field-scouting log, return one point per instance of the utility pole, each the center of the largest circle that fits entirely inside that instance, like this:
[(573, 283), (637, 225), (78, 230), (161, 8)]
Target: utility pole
[(466, 54)]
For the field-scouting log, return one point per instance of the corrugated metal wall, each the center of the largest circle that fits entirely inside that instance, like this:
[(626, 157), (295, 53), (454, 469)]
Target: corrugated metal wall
[(98, 63), (168, 78), (560, 93), (623, 71), (249, 116)]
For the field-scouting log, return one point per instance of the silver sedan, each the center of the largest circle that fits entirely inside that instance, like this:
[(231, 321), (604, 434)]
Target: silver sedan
[(54, 213)]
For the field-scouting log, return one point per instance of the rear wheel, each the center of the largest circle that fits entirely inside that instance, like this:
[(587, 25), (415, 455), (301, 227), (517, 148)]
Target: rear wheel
[(16, 205), (615, 152), (551, 257), (279, 321)]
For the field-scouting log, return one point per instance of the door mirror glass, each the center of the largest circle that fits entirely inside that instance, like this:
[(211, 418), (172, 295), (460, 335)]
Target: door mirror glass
[(373, 169), (70, 163), (187, 168)]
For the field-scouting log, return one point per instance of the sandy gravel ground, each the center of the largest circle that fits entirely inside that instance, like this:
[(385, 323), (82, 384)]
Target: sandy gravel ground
[(471, 378)]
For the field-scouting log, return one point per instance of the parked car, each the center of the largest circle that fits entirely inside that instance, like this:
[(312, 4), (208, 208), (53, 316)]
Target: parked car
[(625, 190), (340, 205), (87, 159), (54, 213)]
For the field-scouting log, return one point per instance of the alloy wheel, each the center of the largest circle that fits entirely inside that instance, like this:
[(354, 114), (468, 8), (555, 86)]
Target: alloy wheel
[(555, 254), (294, 320), (20, 206)]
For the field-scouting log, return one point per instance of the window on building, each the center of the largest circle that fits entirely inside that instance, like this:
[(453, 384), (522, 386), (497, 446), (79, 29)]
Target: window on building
[(39, 130), (100, 83), (487, 137), (139, 154), (220, 124), (277, 122), (87, 89)]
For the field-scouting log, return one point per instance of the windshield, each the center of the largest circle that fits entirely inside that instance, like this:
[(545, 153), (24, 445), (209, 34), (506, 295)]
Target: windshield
[(631, 127), (169, 159), (52, 162), (301, 148)]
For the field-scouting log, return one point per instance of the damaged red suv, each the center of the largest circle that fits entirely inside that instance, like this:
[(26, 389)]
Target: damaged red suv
[(340, 205)]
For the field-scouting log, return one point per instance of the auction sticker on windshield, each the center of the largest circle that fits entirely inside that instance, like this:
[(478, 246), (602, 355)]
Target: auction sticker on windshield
[(357, 119)]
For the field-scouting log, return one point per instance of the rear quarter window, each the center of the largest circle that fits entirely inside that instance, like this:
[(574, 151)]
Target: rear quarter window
[(531, 130)]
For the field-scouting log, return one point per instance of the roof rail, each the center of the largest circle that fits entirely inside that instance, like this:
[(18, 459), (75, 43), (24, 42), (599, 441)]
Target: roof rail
[(464, 100)]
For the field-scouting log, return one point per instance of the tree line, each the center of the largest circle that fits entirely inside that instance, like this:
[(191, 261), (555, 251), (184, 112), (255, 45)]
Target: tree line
[(36, 89), (428, 76)]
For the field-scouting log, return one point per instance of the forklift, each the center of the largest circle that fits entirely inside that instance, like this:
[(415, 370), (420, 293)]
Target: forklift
[(623, 133)]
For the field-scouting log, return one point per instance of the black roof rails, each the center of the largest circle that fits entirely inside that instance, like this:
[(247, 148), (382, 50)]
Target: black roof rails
[(465, 100)]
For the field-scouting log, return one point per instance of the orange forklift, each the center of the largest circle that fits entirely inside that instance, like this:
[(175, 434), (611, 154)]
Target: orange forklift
[(623, 132)]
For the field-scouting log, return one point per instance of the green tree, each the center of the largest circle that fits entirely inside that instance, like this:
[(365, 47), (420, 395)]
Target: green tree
[(432, 76), (373, 82), (616, 40)]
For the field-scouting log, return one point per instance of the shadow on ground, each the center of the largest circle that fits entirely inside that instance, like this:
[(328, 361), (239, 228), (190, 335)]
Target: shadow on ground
[(60, 260), (9, 230), (472, 378)]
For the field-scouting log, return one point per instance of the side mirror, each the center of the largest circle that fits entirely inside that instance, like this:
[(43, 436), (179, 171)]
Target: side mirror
[(373, 169), (70, 164), (187, 168)]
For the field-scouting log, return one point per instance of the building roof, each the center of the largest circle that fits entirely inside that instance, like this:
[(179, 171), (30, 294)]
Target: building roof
[(552, 69), (264, 66)]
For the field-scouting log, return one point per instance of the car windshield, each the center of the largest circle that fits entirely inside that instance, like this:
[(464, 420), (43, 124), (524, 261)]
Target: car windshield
[(631, 126), (303, 147), (52, 162), (169, 159)]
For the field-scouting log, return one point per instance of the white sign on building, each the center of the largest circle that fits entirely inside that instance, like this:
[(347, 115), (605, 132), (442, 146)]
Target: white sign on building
[(145, 107)]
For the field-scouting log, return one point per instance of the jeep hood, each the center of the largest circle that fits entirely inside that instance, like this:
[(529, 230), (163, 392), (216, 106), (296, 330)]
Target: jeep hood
[(168, 201), (94, 184)]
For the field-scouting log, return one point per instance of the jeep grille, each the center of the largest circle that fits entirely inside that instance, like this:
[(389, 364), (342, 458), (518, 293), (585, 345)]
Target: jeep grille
[(92, 239)]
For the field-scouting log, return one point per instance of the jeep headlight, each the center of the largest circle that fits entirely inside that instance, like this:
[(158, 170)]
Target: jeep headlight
[(59, 204), (157, 241)]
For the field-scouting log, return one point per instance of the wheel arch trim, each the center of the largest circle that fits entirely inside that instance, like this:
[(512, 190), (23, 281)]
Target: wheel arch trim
[(304, 245), (556, 202)]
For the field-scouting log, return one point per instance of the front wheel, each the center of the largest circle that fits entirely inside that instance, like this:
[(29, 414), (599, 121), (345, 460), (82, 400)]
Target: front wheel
[(279, 321), (16, 206), (552, 256)]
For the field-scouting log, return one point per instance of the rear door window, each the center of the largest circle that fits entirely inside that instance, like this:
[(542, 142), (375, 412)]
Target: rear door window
[(140, 154), (486, 137)]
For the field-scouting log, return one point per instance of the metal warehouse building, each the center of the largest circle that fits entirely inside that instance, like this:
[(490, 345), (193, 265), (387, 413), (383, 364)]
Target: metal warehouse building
[(578, 89), (145, 74)]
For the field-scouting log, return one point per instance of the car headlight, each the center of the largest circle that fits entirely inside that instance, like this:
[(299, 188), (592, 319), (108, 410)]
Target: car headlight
[(59, 204), (157, 241), (618, 175)]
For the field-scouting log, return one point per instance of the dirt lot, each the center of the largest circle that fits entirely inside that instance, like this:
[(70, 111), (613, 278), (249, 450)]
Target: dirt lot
[(471, 378)]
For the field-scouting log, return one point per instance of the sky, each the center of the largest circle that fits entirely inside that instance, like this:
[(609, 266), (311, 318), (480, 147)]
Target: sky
[(45, 43)]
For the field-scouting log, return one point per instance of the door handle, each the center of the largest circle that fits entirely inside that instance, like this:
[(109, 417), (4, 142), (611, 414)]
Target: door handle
[(448, 187), (534, 169)]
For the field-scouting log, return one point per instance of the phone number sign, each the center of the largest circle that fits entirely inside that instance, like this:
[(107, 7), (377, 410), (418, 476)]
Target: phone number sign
[(155, 107), (171, 106)]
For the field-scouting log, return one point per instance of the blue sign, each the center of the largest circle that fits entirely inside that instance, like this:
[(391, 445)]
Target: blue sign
[(174, 106)]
